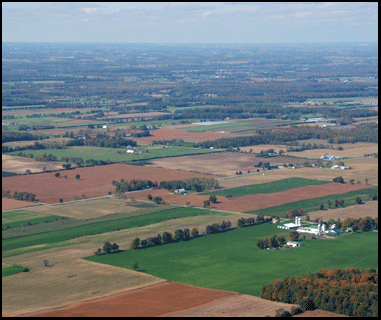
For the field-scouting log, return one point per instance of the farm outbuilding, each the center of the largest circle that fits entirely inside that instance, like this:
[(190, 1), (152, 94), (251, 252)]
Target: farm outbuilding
[(181, 191), (295, 244)]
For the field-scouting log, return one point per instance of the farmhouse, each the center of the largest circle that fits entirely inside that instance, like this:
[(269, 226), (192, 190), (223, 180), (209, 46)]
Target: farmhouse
[(181, 191), (131, 151), (340, 167), (295, 244)]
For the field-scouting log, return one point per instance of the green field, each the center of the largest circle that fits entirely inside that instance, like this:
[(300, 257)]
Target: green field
[(98, 153), (18, 218), (311, 204), (92, 228), (270, 187), (232, 261), (10, 270)]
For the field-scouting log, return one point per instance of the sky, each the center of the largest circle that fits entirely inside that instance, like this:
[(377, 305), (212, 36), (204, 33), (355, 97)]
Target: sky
[(190, 22)]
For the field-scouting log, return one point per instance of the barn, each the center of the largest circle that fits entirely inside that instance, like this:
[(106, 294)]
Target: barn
[(295, 244)]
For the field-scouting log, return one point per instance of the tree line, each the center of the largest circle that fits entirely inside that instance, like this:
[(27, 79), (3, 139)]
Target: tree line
[(350, 291), (195, 183), (22, 195)]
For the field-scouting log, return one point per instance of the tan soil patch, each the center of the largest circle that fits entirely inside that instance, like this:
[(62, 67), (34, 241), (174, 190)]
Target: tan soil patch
[(88, 209), (66, 283), (115, 115), (259, 148), (170, 134), (253, 202), (10, 204), (237, 306), (94, 181), (319, 314), (31, 142), (369, 208), (21, 164), (361, 169), (224, 164), (146, 302)]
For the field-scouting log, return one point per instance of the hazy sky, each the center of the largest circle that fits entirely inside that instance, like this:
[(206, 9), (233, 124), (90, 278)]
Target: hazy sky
[(190, 22)]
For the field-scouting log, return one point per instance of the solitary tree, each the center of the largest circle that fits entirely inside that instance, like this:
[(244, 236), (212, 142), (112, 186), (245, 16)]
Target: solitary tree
[(77, 176), (206, 203), (352, 181), (57, 174), (46, 263), (366, 181), (135, 243), (149, 197), (98, 252), (107, 248), (213, 198), (135, 266)]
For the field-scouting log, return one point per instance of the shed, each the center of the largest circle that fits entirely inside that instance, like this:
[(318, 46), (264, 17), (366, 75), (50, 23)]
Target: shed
[(295, 244), (181, 191)]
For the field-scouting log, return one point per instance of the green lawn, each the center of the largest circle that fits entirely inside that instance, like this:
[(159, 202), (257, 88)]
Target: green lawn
[(98, 153), (311, 204), (270, 187), (232, 261), (92, 228)]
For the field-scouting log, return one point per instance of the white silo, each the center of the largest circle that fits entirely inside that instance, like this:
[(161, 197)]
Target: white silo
[(296, 220), (299, 221), (319, 228), (323, 227)]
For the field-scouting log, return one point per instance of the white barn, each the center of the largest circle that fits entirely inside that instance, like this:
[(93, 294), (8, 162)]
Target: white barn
[(295, 244)]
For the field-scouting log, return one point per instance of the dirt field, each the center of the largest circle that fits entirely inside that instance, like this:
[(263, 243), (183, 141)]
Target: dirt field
[(42, 110), (94, 181), (21, 164), (319, 314), (259, 148), (369, 208), (146, 302), (116, 115), (90, 209), (31, 142), (170, 134), (10, 204), (252, 202), (226, 164), (350, 151), (237, 306), (361, 169), (66, 283)]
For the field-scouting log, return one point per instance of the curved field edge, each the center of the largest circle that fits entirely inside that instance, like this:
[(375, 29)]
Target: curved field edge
[(269, 187), (232, 261), (311, 204), (11, 270), (102, 227)]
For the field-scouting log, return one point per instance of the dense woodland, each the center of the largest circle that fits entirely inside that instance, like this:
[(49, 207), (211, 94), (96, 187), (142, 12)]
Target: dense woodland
[(351, 292)]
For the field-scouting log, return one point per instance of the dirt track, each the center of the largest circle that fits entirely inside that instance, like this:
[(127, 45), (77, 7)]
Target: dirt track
[(94, 181), (146, 302)]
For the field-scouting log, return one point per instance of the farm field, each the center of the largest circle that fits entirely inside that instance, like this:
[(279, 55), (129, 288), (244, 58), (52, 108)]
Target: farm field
[(368, 209), (259, 148), (224, 165), (207, 261), (350, 151), (361, 169), (94, 181), (92, 208), (237, 306), (116, 154), (156, 300), (15, 217), (84, 246), (9, 270), (9, 204), (21, 164), (66, 283), (270, 187), (170, 134), (253, 202), (311, 204), (41, 110), (31, 142)]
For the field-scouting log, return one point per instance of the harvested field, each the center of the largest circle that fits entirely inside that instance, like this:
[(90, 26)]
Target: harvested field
[(369, 208), (66, 283), (361, 169), (42, 110), (116, 115), (146, 302), (319, 314), (88, 209), (170, 134), (74, 121), (94, 181), (259, 148), (31, 142), (253, 202), (21, 164), (352, 151), (238, 306), (10, 204), (225, 164)]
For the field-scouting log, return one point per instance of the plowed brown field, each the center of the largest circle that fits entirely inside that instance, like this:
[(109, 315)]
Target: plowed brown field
[(252, 202), (9, 204), (237, 306), (153, 301), (170, 134), (94, 181)]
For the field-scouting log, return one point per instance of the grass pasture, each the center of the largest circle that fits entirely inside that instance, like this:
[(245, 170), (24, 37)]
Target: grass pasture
[(232, 261), (18, 218), (66, 283), (270, 187), (8, 270)]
